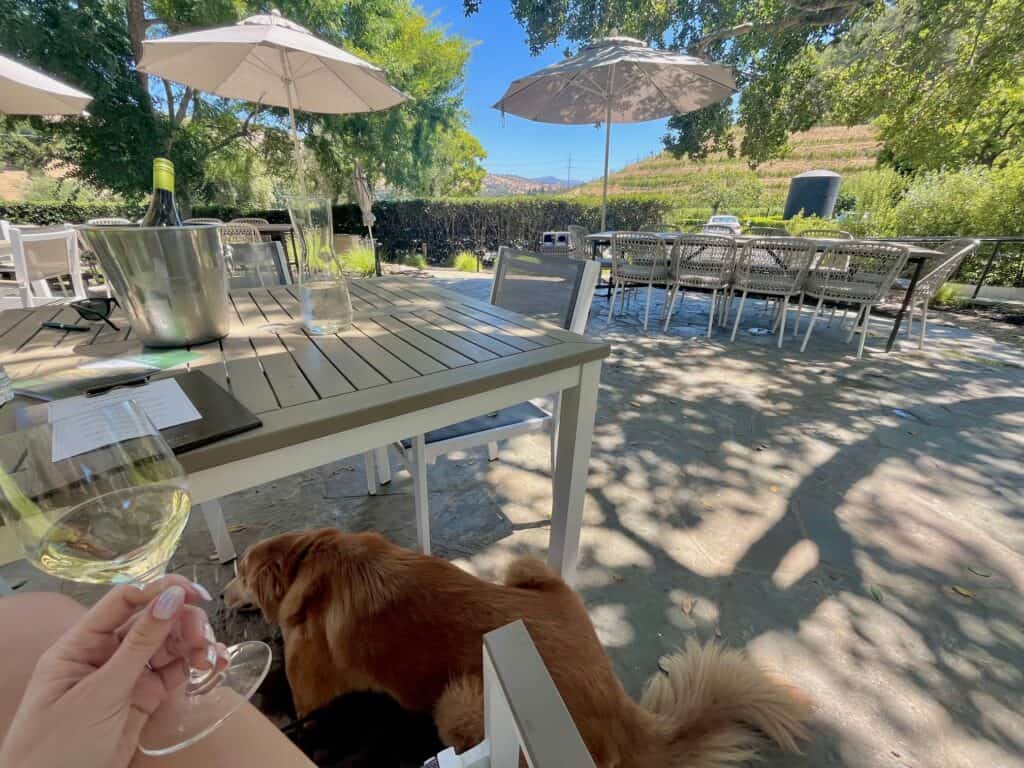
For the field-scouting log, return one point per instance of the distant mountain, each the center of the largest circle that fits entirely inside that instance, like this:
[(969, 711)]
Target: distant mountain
[(498, 185)]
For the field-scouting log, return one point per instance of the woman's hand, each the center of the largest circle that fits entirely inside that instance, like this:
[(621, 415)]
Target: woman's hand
[(92, 692)]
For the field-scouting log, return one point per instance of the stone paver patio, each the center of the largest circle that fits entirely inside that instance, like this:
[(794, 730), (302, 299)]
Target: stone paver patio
[(858, 525)]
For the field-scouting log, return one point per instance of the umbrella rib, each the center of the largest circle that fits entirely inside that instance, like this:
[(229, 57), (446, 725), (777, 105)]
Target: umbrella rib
[(658, 88), (556, 95)]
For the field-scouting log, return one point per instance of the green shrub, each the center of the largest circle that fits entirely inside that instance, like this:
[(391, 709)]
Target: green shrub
[(943, 203), (947, 296), (415, 260), (61, 212), (466, 262), (359, 261)]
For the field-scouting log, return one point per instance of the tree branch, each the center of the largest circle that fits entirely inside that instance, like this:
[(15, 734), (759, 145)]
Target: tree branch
[(182, 110), (136, 34), (241, 133), (805, 13), (170, 99)]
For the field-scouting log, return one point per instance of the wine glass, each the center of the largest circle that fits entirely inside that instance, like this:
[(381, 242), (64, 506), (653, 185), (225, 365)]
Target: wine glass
[(100, 498)]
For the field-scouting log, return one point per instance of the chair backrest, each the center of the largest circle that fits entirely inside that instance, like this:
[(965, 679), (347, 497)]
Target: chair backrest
[(257, 265), (826, 234), (768, 231), (5, 229), (939, 269), (635, 254), (254, 221), (699, 258), (202, 220), (660, 227), (545, 286), (578, 238), (716, 229), (773, 264), (859, 270), (232, 233), (109, 221), (41, 253)]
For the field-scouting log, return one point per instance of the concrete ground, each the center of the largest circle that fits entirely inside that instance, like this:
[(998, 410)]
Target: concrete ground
[(856, 525)]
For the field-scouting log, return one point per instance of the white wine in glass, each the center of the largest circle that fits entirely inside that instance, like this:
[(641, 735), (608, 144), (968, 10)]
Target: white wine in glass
[(113, 513)]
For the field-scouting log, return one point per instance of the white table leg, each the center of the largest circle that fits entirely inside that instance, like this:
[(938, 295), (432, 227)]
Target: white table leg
[(575, 433), (218, 530), (370, 465), (383, 465)]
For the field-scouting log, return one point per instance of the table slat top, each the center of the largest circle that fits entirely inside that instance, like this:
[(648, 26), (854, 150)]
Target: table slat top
[(411, 345)]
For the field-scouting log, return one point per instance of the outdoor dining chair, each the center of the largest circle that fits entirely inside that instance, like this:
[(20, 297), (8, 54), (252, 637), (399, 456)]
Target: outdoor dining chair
[(540, 285), (578, 240), (716, 229), (702, 263), (202, 220), (45, 254), (638, 259), (937, 270), (233, 233), (257, 265), (109, 221), (660, 227), (772, 266), (857, 272)]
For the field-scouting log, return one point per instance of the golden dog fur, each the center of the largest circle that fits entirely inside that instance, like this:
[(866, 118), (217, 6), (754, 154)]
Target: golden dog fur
[(358, 613)]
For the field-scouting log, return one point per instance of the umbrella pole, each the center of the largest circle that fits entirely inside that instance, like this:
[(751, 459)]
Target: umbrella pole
[(291, 117), (607, 146)]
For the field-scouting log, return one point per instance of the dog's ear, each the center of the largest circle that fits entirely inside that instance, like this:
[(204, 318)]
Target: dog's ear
[(268, 585)]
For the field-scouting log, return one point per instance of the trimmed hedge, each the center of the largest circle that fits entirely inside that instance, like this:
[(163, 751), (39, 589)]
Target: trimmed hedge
[(60, 212), (450, 226)]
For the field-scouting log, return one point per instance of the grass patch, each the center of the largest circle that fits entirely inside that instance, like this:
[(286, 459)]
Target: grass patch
[(415, 260), (464, 261), (947, 297), (358, 262)]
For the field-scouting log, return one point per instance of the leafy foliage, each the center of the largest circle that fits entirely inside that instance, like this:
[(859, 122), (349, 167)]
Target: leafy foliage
[(359, 261), (464, 261)]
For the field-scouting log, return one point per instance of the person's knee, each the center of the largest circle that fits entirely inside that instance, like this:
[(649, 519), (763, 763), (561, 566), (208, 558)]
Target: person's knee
[(33, 621)]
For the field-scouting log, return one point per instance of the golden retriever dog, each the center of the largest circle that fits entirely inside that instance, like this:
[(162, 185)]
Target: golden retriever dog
[(361, 614)]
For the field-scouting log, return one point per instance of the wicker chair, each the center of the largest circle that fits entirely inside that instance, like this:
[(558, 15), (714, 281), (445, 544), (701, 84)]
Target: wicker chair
[(826, 234), (661, 227), (578, 240), (768, 232), (255, 221), (111, 221), (855, 272), (201, 220), (233, 233), (937, 270), (773, 266), (702, 263), (638, 258)]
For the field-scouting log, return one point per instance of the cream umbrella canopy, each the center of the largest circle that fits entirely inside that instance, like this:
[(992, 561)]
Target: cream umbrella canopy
[(26, 91), (271, 60), (617, 80)]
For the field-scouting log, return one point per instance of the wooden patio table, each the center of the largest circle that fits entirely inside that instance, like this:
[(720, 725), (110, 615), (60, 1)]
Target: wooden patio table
[(416, 358)]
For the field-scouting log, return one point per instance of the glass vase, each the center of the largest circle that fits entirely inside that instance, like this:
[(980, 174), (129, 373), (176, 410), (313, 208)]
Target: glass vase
[(323, 287)]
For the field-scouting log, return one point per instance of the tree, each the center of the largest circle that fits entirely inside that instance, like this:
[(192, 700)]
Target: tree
[(94, 44)]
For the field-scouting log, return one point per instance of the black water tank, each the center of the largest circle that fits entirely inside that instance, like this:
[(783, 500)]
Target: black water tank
[(814, 193)]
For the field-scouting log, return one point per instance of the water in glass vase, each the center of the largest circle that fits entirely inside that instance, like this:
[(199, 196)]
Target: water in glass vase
[(326, 306), (121, 536)]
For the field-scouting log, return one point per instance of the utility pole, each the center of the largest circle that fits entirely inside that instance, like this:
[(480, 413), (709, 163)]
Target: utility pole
[(568, 173)]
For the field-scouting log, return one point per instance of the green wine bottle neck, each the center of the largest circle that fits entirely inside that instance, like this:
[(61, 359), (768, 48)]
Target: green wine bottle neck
[(162, 210)]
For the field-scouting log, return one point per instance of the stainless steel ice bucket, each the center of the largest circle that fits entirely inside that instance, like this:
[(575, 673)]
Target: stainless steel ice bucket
[(170, 280)]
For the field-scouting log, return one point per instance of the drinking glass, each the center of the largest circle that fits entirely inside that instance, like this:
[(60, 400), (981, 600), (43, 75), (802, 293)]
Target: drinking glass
[(101, 498), (323, 288)]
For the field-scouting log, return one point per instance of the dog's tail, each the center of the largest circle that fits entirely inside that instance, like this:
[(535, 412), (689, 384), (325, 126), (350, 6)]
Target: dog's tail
[(713, 704)]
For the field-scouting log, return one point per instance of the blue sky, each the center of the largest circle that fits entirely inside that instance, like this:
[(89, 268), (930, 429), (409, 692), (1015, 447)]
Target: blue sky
[(522, 147)]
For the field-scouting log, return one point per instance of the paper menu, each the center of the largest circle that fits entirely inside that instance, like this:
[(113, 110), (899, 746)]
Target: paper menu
[(79, 425)]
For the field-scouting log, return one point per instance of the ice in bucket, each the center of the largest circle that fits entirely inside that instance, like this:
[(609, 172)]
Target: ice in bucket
[(323, 288)]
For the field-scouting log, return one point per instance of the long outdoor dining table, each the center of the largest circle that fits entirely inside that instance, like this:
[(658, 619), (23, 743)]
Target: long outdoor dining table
[(918, 258), (416, 358)]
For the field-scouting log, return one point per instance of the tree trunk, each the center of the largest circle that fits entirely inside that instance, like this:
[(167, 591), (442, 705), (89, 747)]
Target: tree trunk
[(137, 33)]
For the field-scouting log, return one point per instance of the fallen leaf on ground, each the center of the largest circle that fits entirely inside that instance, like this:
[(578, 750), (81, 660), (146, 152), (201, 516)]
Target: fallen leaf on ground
[(774, 489), (686, 605), (19, 584), (977, 572), (963, 592), (237, 528), (618, 577), (708, 505), (718, 631), (876, 593)]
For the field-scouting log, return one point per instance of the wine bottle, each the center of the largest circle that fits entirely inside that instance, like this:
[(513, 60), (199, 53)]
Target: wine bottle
[(162, 211)]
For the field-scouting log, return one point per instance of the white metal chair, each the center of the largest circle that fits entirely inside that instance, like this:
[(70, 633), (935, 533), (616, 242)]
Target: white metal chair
[(43, 254), (543, 286), (638, 258), (524, 715), (773, 266), (201, 220), (768, 232), (109, 221), (578, 240), (256, 221), (701, 263), (257, 265), (936, 271), (854, 272)]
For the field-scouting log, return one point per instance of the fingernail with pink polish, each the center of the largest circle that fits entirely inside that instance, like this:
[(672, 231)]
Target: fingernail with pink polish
[(169, 603), (222, 651), (203, 591), (208, 632), (211, 656)]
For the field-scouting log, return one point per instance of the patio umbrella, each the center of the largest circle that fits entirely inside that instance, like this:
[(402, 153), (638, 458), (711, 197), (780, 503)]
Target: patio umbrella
[(271, 60), (617, 80), (364, 196), (26, 91)]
